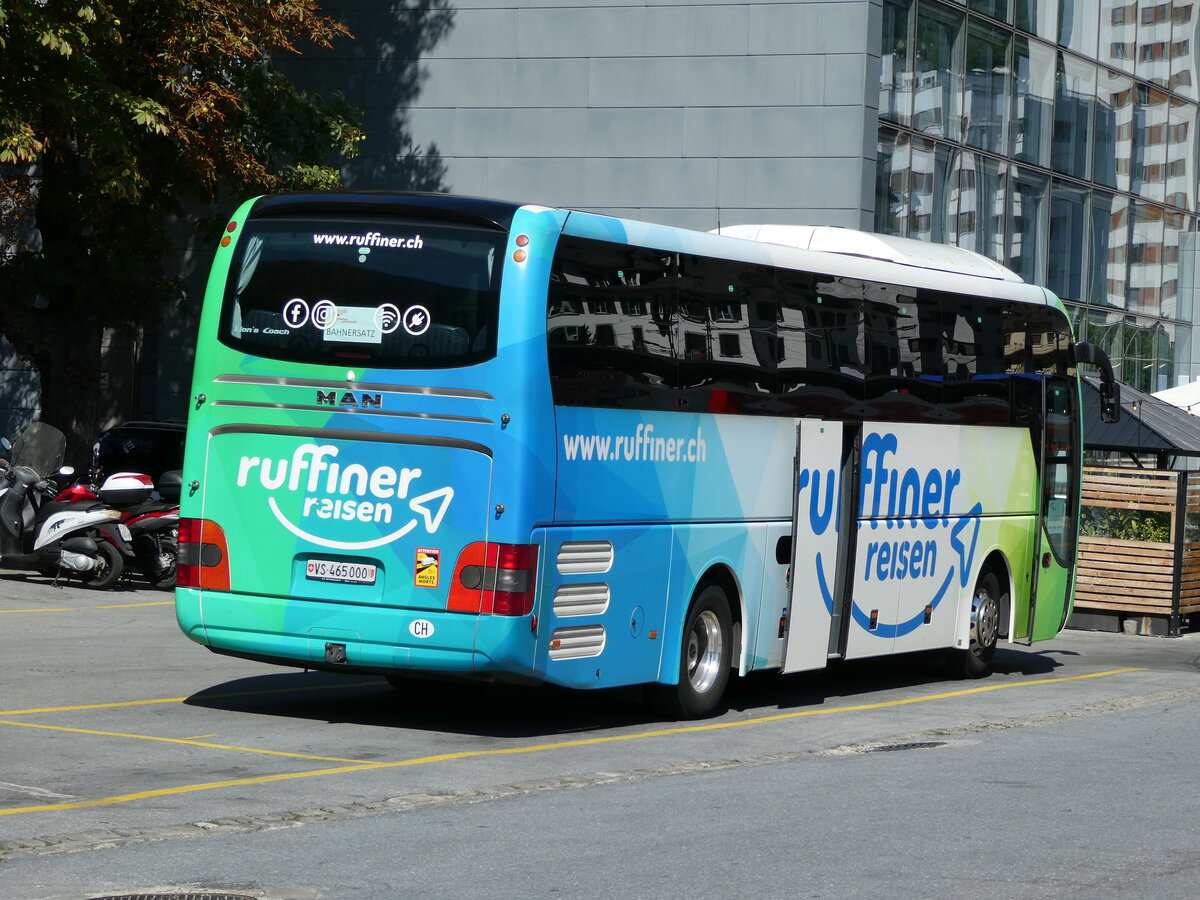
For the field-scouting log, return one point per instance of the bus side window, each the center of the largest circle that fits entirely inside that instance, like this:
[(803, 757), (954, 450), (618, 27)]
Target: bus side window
[(607, 326), (726, 334), (904, 360), (821, 348), (976, 389)]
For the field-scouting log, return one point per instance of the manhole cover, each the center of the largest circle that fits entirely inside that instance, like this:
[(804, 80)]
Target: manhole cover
[(190, 895), (913, 745)]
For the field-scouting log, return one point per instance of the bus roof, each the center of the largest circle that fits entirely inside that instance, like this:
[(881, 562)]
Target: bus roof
[(850, 242)]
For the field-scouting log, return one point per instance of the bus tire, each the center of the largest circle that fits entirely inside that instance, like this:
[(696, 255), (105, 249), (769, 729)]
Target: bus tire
[(986, 603), (704, 659)]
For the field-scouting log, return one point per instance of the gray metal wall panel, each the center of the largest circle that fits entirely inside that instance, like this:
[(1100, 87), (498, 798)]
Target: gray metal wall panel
[(832, 26), (670, 106)]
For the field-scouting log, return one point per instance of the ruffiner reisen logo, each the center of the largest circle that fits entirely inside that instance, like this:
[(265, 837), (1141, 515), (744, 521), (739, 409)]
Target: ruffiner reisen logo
[(914, 507), (345, 493)]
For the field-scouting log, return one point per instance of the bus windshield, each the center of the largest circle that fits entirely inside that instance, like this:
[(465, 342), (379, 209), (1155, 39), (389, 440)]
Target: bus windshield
[(389, 294)]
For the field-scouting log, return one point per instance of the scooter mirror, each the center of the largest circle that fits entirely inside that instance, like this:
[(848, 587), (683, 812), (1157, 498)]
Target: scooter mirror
[(5, 443)]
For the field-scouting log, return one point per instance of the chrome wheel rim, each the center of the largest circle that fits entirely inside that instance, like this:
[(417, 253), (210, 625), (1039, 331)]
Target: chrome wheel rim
[(985, 620), (704, 651)]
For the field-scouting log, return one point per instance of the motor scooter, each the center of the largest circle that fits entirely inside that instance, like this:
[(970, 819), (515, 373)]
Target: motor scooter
[(147, 533), (37, 533)]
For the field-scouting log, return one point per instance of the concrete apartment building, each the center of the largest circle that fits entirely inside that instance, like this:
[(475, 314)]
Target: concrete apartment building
[(1058, 137)]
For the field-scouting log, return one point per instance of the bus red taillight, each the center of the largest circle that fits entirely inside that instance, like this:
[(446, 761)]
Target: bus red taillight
[(203, 560), (496, 579)]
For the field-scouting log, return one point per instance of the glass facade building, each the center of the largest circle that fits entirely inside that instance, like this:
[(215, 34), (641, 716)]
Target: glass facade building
[(1058, 137)]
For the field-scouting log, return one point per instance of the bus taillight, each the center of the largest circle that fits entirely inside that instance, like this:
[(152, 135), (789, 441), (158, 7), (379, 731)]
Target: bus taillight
[(497, 579), (203, 560)]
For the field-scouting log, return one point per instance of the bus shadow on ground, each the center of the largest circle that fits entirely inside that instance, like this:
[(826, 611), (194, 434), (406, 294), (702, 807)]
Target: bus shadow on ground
[(518, 711), (854, 681)]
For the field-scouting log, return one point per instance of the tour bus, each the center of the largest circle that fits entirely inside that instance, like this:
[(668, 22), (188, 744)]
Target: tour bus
[(444, 436)]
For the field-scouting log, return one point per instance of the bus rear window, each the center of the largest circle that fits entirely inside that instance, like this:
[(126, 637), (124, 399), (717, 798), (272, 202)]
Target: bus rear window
[(386, 293)]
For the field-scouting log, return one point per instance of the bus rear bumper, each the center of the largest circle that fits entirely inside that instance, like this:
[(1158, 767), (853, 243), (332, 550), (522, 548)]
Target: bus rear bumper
[(354, 637)]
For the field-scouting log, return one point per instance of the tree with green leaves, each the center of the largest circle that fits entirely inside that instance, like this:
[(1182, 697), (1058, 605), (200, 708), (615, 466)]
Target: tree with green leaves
[(116, 115)]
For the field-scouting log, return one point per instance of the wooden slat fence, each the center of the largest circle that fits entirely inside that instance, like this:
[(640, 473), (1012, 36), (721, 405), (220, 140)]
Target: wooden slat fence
[(1120, 573)]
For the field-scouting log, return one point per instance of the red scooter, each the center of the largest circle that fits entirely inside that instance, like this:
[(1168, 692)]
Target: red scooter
[(147, 534)]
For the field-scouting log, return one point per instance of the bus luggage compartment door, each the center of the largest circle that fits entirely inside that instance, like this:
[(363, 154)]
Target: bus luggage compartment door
[(819, 542)]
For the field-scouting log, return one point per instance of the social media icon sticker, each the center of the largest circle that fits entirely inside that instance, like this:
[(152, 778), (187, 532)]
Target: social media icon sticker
[(295, 312), (324, 314)]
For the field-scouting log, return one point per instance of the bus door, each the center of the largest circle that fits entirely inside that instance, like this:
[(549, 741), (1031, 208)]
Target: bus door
[(822, 544), (1054, 543)]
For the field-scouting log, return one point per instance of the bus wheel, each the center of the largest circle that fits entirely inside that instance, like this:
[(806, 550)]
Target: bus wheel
[(704, 659), (976, 660)]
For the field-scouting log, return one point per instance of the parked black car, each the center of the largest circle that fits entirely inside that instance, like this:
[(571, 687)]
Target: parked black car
[(147, 447)]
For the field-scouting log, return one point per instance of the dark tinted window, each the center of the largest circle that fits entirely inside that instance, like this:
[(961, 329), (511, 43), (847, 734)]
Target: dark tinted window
[(609, 326), (727, 364), (822, 346), (649, 329), (387, 293)]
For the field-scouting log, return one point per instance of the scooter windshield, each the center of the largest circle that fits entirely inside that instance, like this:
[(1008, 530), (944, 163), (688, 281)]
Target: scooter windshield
[(41, 447)]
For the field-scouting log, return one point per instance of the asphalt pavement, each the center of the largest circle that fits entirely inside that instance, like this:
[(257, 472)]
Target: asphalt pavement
[(139, 763)]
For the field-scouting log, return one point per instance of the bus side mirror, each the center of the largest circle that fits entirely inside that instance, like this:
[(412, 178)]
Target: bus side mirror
[(1110, 402), (1110, 390)]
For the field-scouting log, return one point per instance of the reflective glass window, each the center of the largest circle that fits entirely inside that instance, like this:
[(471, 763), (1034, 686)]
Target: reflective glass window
[(1033, 101), (985, 91), (1164, 357), (1068, 234), (997, 9), (1181, 155), (937, 90), (1112, 133), (1118, 34), (1146, 259), (977, 204), (1075, 96), (1038, 17), (1148, 173), (1144, 342), (1153, 62), (1028, 226), (895, 75), (1104, 329), (927, 203), (890, 182), (1175, 226), (1108, 249), (1078, 25), (1183, 48)]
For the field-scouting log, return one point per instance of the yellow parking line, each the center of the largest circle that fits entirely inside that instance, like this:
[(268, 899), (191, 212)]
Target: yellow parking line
[(191, 742), (538, 748), (116, 704), (86, 608)]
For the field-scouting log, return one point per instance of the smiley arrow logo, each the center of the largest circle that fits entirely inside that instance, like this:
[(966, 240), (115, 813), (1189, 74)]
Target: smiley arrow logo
[(420, 505), (966, 554)]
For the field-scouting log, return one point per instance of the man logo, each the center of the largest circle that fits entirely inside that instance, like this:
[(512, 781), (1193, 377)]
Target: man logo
[(387, 318)]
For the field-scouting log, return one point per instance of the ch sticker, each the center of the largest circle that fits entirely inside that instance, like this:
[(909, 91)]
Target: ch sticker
[(426, 569)]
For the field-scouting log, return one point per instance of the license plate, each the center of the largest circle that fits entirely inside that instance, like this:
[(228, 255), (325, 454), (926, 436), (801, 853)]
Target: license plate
[(344, 572), (124, 532)]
